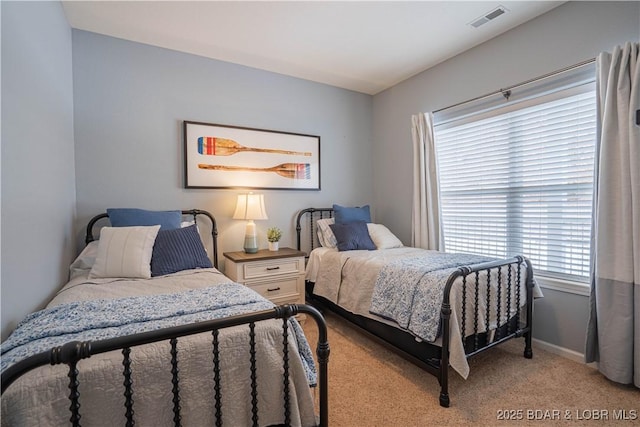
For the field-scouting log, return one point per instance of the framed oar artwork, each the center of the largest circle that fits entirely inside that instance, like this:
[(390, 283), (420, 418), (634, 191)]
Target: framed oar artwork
[(221, 156)]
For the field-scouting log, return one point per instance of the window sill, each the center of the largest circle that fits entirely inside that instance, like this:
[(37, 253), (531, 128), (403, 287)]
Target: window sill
[(561, 285)]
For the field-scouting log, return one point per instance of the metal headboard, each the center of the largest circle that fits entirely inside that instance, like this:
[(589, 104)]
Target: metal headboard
[(192, 212), (313, 214)]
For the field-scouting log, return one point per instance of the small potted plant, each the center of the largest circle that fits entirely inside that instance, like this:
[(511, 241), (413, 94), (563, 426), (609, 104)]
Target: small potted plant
[(273, 236)]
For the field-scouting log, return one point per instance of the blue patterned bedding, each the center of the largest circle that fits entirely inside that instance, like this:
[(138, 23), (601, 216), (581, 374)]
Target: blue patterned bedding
[(101, 319), (409, 291)]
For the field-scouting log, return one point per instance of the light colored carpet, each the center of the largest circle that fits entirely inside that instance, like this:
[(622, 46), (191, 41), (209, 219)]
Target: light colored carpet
[(372, 386)]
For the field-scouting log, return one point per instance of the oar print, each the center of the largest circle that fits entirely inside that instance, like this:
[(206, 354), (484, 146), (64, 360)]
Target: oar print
[(214, 146), (288, 170)]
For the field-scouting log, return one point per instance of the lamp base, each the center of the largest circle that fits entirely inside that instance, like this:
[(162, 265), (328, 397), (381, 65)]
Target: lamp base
[(250, 244)]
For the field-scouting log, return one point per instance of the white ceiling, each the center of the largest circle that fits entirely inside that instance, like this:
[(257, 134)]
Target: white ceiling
[(359, 45)]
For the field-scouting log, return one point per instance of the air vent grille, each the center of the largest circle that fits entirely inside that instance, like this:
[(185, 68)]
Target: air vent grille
[(500, 10)]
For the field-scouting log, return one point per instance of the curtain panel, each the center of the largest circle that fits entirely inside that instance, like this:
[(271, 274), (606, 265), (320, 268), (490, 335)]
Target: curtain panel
[(426, 223), (613, 334)]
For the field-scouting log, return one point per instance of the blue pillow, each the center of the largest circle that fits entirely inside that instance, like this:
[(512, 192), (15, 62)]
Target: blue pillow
[(344, 215), (178, 249), (129, 217), (352, 236)]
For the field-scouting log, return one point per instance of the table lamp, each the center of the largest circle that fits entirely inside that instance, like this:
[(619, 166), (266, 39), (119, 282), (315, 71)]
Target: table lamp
[(250, 207)]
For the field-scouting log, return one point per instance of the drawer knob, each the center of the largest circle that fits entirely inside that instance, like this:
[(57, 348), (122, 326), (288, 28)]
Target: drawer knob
[(273, 268), (273, 289)]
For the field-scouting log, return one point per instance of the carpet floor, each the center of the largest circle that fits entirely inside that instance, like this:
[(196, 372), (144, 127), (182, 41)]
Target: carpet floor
[(370, 385)]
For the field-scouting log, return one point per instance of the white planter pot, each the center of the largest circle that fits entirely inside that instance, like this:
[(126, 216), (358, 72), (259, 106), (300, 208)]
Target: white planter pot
[(273, 246)]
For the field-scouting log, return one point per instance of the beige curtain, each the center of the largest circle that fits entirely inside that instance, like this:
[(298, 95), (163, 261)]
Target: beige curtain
[(426, 224), (613, 335)]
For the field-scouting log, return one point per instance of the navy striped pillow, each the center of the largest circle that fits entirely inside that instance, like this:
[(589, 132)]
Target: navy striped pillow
[(177, 250)]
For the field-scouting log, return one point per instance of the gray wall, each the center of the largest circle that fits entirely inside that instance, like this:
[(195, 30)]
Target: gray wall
[(38, 177), (130, 100), (567, 35)]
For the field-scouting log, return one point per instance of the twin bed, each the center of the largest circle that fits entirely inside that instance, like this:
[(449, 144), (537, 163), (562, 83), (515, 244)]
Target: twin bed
[(436, 309), (197, 349), (194, 347)]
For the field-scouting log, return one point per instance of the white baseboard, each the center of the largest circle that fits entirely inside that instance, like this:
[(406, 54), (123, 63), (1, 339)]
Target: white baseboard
[(564, 352)]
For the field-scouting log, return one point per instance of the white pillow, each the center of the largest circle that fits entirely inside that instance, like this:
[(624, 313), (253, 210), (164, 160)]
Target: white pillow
[(326, 236), (85, 260), (382, 237), (320, 238), (125, 252)]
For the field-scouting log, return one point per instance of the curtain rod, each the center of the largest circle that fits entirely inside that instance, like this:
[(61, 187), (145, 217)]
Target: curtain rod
[(506, 92)]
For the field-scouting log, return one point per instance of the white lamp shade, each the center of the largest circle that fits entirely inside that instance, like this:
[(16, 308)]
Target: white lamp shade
[(250, 206)]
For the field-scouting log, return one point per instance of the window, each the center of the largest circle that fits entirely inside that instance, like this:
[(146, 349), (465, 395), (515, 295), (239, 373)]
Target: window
[(519, 180)]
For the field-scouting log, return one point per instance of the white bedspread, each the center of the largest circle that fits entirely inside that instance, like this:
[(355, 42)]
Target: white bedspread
[(40, 397), (348, 279)]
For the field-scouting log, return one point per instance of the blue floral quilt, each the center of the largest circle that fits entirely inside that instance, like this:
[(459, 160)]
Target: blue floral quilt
[(101, 319), (409, 291)]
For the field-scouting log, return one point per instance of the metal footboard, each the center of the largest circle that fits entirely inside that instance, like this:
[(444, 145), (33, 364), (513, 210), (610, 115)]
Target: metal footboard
[(72, 352), (510, 292)]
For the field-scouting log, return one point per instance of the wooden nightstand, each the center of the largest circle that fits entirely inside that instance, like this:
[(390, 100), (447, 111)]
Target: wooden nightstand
[(276, 275)]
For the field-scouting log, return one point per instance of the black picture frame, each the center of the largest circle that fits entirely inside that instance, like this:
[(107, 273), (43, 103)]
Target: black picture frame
[(224, 156)]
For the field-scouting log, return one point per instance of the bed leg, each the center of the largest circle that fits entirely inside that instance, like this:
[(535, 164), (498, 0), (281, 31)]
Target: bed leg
[(443, 379), (444, 355), (528, 349), (444, 399)]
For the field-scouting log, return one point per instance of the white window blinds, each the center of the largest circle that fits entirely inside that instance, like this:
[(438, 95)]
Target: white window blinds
[(518, 180)]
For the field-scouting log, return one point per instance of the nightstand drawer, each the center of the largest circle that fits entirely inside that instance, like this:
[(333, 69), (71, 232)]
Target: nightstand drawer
[(257, 270), (276, 275), (278, 289)]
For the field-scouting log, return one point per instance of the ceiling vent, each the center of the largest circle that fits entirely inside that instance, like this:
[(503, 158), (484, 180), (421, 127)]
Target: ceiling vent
[(500, 10)]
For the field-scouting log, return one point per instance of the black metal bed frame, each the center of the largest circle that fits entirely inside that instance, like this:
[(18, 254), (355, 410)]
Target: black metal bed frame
[(72, 352), (435, 359)]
